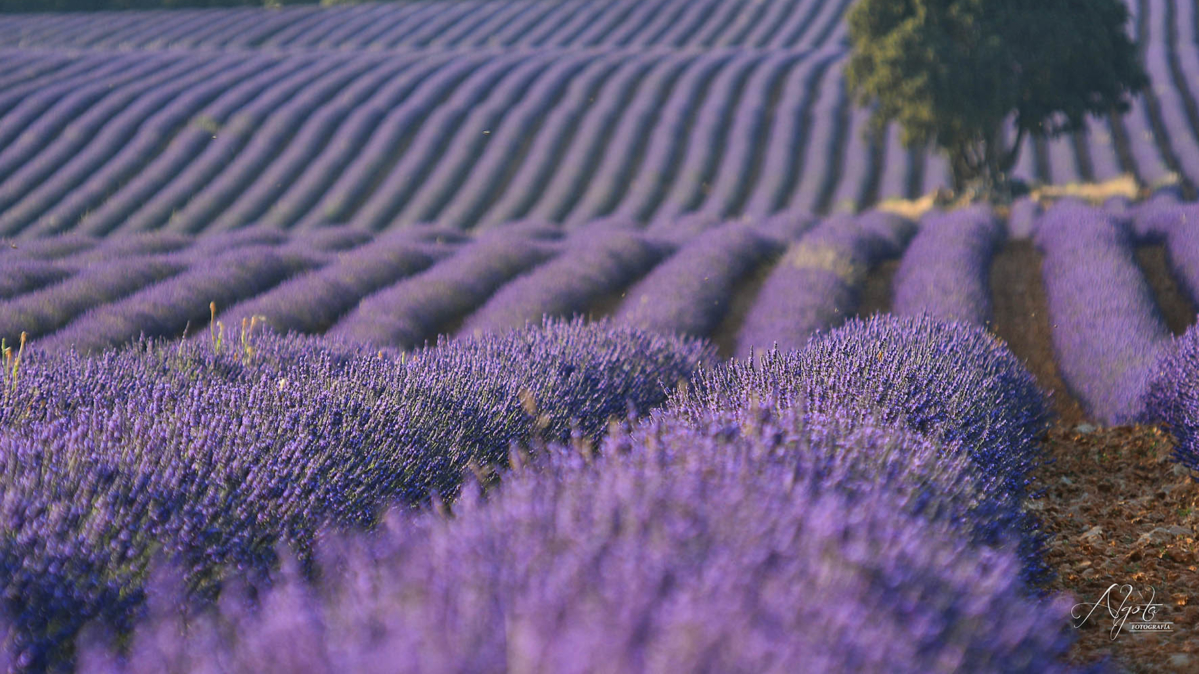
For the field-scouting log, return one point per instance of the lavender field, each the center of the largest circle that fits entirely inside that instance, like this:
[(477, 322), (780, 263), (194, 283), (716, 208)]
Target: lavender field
[(583, 336), (475, 114)]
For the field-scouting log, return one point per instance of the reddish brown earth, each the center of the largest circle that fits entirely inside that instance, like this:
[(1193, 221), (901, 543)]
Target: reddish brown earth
[(1021, 318), (875, 297), (1175, 306), (1119, 511)]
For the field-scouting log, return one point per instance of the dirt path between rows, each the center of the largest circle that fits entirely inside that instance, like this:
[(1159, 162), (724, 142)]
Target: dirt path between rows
[(1021, 318), (1121, 512)]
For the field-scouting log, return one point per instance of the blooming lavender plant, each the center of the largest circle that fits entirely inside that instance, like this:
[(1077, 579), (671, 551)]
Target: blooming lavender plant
[(953, 381), (1172, 397), (211, 458), (1107, 327), (313, 302), (22, 276), (414, 310), (167, 308), (591, 266), (816, 283), (691, 291), (677, 547), (43, 311), (945, 270)]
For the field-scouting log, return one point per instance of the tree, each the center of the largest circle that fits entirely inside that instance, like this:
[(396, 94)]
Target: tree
[(956, 72)]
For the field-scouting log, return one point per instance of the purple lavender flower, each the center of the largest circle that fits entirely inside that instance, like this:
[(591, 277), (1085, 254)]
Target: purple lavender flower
[(1172, 397), (1107, 327), (815, 285), (946, 268), (677, 547), (691, 291), (213, 459)]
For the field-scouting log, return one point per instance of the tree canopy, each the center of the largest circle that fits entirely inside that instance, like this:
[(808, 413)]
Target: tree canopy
[(957, 72)]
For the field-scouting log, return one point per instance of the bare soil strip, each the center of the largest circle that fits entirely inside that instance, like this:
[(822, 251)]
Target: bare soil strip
[(724, 338), (1021, 318), (875, 294), (1175, 306), (1121, 512)]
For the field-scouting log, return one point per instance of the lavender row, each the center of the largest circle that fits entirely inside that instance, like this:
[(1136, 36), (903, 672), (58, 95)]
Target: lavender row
[(1172, 397), (409, 313), (194, 172), (559, 131), (707, 527), (510, 112), (780, 169), (432, 154), (622, 117), (277, 130), (191, 143), (44, 311), (590, 23), (139, 132), (945, 271), (710, 540), (664, 154), (302, 151), (217, 458), (42, 146), (484, 181), (168, 308), (709, 134), (348, 142), (594, 265), (313, 302), (1107, 327), (949, 381), (41, 111), (691, 291), (749, 136), (393, 132), (815, 285), (1166, 220)]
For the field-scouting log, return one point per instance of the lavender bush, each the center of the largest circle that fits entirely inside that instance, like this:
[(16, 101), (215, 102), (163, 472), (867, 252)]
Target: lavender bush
[(167, 308), (23, 276), (676, 548), (1107, 328), (43, 311), (815, 285), (591, 266), (946, 269), (313, 302), (1172, 397), (691, 291), (212, 459), (953, 381), (414, 310)]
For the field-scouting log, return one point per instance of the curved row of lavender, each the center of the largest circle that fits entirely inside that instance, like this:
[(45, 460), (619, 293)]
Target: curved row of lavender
[(471, 24), (945, 271), (212, 455), (690, 292), (951, 381), (627, 117), (696, 534), (1172, 397), (815, 286), (1107, 328)]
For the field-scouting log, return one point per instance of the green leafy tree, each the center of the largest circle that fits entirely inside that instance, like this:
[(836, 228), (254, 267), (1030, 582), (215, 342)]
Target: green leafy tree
[(954, 72)]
